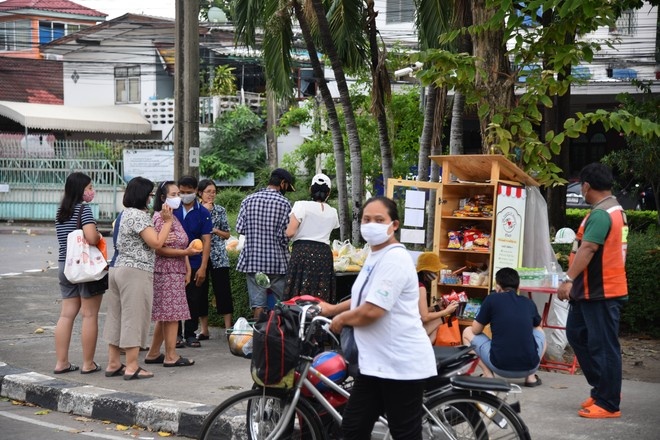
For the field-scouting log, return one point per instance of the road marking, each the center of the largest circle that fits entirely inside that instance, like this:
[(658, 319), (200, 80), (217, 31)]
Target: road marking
[(9, 274), (62, 427)]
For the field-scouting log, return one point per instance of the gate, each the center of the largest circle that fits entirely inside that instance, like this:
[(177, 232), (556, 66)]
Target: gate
[(32, 179)]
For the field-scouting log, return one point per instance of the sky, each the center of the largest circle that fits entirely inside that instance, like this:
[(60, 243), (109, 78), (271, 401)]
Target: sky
[(116, 8)]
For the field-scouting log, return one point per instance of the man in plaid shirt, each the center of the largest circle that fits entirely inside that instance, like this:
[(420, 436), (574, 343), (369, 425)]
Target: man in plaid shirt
[(262, 219)]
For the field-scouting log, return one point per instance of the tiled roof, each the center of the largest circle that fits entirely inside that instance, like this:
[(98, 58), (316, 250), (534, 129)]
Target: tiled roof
[(61, 6), (29, 80)]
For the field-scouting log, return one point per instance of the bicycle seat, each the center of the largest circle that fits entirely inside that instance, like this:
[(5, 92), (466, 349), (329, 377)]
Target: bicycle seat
[(302, 300)]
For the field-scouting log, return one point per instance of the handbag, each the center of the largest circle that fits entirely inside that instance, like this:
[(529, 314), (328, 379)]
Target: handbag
[(84, 262), (448, 334)]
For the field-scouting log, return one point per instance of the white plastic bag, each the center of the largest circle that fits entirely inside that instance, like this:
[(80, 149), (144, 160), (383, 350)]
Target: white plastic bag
[(240, 338), (84, 262)]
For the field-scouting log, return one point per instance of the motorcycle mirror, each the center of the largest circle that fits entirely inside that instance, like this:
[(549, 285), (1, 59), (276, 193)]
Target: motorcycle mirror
[(262, 280)]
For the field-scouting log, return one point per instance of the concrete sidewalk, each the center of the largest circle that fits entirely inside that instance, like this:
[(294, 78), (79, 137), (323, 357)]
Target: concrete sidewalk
[(177, 399)]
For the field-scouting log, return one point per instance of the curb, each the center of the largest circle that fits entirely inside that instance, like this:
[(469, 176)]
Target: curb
[(177, 417)]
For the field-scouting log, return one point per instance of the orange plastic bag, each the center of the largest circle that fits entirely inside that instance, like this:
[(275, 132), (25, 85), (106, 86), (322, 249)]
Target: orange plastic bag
[(448, 334), (103, 247)]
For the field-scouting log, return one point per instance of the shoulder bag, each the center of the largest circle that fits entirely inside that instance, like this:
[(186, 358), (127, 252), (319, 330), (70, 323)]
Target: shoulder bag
[(84, 262)]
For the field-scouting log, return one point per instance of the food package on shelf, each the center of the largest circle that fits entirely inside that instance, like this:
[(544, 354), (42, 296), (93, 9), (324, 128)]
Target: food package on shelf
[(480, 205)]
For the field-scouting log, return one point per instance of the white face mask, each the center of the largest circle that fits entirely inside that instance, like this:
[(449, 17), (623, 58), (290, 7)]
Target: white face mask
[(375, 233), (173, 202), (187, 199)]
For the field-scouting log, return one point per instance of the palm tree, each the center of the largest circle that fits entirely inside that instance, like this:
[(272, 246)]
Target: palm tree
[(343, 25), (333, 122)]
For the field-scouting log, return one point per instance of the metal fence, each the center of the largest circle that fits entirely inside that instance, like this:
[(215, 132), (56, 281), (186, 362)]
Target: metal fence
[(33, 173)]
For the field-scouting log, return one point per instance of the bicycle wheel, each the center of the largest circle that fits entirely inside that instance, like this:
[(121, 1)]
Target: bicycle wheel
[(254, 415), (472, 415)]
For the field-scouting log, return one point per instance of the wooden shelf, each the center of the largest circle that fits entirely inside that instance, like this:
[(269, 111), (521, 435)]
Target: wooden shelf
[(454, 217), (457, 251), (463, 286)]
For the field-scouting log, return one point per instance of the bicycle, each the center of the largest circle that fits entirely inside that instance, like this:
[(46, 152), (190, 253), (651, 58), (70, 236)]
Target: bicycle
[(455, 406)]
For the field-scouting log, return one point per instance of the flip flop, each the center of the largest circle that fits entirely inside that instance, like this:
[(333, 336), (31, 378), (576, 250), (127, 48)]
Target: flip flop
[(96, 368), (157, 360), (137, 375), (68, 369), (192, 342), (181, 362), (203, 337), (180, 343), (118, 372), (536, 383)]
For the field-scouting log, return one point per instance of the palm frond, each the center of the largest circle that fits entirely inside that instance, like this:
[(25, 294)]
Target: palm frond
[(278, 36), (346, 20), (433, 18), (248, 16)]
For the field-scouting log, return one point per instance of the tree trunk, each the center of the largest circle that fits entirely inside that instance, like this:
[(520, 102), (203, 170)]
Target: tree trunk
[(440, 99), (380, 92), (357, 184), (271, 121), (426, 140), (493, 78), (333, 123), (456, 130)]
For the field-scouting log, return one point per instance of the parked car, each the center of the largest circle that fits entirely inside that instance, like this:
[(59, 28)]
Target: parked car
[(574, 198)]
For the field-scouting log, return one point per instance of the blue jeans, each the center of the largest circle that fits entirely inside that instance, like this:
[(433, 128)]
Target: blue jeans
[(592, 329)]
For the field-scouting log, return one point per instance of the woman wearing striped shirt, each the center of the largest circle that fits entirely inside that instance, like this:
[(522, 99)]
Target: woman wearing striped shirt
[(76, 297)]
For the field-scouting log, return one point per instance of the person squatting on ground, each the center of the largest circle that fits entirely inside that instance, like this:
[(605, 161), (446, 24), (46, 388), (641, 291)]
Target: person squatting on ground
[(311, 269), (596, 286), (263, 218), (131, 285), (395, 354), (80, 297), (518, 342), (196, 221), (171, 274), (219, 268), (428, 267)]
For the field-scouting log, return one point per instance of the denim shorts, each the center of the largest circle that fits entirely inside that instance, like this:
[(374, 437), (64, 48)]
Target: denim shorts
[(259, 295), (482, 344)]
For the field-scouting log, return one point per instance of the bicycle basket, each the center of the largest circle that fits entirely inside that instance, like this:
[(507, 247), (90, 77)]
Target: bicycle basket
[(239, 338)]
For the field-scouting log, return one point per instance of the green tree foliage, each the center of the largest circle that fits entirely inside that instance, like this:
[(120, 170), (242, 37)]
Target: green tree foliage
[(224, 81), (641, 158), (515, 131), (236, 147)]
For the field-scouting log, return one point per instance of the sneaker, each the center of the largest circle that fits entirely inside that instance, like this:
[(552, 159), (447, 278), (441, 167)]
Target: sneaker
[(587, 403), (596, 412)]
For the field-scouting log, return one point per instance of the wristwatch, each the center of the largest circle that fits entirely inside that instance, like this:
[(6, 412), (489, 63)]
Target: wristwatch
[(567, 279)]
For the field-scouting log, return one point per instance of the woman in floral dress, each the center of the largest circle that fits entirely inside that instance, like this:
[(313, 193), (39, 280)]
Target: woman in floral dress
[(219, 268), (171, 274)]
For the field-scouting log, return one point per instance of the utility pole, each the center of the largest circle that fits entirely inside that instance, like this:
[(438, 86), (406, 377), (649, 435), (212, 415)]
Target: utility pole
[(186, 114)]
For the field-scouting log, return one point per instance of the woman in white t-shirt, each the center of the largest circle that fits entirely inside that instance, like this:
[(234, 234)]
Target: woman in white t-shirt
[(311, 270), (395, 354)]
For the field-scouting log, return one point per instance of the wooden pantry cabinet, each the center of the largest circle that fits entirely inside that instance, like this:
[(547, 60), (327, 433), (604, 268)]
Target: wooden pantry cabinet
[(483, 193)]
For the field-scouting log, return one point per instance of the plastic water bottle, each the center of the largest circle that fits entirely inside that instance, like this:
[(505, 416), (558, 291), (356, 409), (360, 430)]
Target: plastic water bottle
[(554, 276)]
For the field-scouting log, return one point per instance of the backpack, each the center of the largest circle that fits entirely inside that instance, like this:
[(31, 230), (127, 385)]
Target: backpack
[(276, 348)]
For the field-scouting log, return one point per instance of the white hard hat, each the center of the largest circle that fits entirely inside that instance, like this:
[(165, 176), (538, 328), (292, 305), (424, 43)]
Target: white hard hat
[(564, 236), (321, 179)]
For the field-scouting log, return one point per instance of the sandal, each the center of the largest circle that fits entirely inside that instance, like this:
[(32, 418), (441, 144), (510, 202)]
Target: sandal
[(588, 402), (68, 369), (96, 368), (596, 412), (157, 360), (118, 372), (137, 375), (192, 342), (181, 362), (180, 343), (536, 383), (203, 337)]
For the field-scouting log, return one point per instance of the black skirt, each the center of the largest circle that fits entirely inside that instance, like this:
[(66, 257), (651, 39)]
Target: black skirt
[(311, 271)]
